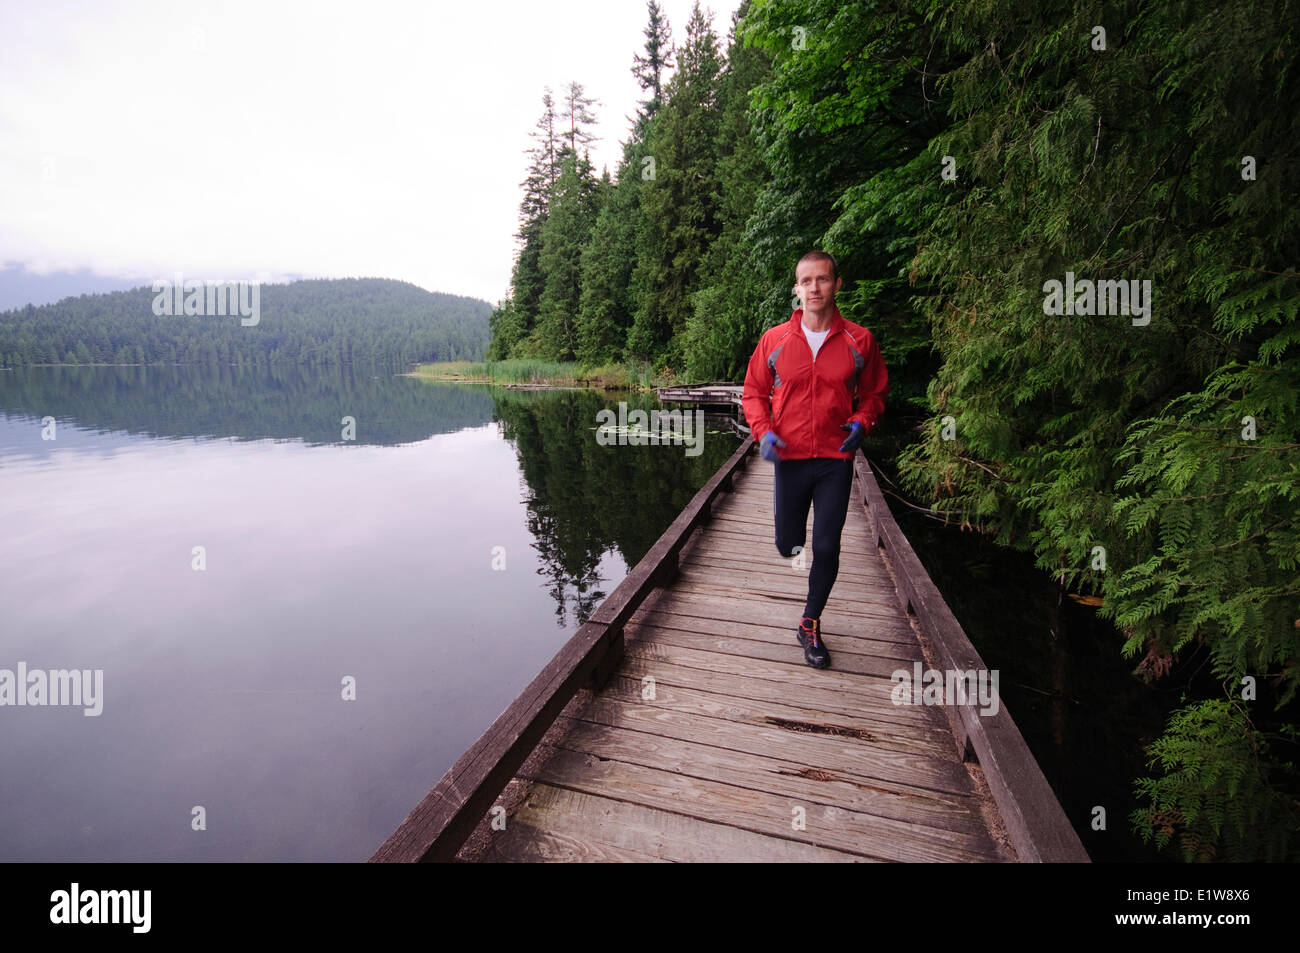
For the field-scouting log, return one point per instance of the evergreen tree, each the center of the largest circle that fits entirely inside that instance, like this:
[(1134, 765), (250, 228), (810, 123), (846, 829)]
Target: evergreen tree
[(544, 159), (680, 202), (608, 295), (577, 118), (605, 307), (507, 329), (649, 69), (511, 328), (566, 231), (728, 315)]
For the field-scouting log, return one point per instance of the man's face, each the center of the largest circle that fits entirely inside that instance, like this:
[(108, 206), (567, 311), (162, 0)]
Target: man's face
[(814, 285)]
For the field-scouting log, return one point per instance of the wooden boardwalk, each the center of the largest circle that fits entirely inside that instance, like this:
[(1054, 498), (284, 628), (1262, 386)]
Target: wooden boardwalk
[(695, 732), (741, 737)]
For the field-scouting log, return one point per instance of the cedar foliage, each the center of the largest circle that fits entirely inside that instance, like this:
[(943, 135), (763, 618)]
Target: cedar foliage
[(1219, 791)]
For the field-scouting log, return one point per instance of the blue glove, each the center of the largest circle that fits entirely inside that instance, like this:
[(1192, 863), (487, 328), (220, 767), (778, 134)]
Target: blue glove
[(767, 446), (857, 433)]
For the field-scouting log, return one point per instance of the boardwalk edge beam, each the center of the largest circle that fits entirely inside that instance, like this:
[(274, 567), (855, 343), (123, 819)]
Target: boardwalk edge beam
[(1036, 824)]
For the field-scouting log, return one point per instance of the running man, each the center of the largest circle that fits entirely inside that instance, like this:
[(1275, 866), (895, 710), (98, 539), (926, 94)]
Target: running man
[(811, 379)]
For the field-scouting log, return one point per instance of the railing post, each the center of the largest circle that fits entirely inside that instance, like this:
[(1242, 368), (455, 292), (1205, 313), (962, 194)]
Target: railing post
[(610, 661)]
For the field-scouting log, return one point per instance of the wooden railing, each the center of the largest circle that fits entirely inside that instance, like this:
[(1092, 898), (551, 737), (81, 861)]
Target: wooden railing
[(1035, 822), (444, 820)]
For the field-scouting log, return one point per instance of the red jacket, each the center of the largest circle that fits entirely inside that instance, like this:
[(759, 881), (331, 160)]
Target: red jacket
[(809, 400)]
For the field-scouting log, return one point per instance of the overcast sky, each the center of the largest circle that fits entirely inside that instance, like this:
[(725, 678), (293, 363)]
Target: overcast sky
[(253, 140)]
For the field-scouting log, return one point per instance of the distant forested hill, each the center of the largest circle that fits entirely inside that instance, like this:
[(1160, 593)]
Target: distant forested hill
[(318, 321)]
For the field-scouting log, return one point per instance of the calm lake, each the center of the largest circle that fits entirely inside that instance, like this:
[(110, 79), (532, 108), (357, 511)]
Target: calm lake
[(298, 633), (366, 607)]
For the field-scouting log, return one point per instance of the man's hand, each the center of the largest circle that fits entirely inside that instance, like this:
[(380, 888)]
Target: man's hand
[(857, 433), (767, 446)]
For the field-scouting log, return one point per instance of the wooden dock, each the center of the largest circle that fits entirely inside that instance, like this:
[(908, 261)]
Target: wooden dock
[(681, 724), (705, 395)]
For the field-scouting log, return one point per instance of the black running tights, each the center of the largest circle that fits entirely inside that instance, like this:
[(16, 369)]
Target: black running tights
[(825, 484)]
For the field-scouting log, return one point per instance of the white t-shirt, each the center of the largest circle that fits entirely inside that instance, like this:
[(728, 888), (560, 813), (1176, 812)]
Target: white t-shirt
[(815, 338)]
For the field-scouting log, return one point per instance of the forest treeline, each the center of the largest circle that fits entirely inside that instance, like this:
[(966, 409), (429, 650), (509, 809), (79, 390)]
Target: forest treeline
[(957, 158), (312, 322)]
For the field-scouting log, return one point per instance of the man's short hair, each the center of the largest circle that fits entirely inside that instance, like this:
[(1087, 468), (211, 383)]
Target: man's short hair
[(817, 255)]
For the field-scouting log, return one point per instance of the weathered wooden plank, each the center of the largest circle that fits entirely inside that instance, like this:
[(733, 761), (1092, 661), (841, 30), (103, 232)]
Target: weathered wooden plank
[(763, 813), (730, 519), (724, 579), (713, 701), (859, 573), (759, 540), (864, 686), (851, 571), (525, 843), (772, 635), (618, 825), (769, 681), (785, 612), (787, 650), (837, 617), (779, 637), (847, 600), (745, 508), (740, 534), (879, 766)]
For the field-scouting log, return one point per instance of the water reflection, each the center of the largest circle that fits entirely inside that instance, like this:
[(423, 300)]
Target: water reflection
[(325, 558), (282, 403), (586, 499)]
